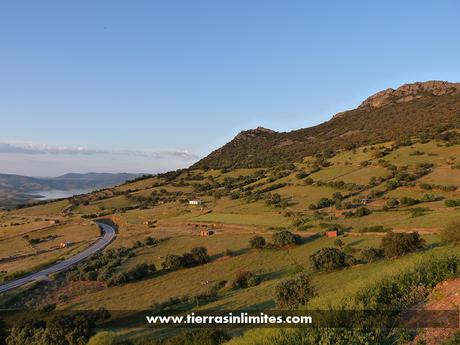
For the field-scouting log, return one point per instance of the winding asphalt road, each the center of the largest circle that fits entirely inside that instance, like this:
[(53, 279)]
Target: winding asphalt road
[(104, 240)]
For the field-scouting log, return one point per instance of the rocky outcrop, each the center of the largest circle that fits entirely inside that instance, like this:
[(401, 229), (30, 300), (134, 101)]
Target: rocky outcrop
[(409, 92), (253, 132)]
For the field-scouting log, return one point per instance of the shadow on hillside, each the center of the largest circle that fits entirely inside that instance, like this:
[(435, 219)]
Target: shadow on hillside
[(271, 275), (308, 239), (234, 254), (354, 243)]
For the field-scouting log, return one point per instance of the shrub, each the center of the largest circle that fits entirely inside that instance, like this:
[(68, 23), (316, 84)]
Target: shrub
[(398, 244), (362, 211), (418, 211), (150, 241), (253, 281), (407, 201), (257, 242), (339, 243), (172, 262), (328, 259), (295, 292), (451, 232), (374, 228), (308, 181), (244, 279), (285, 238), (452, 202), (371, 254), (200, 255), (392, 202)]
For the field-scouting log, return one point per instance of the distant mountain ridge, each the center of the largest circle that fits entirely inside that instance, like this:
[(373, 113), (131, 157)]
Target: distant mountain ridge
[(16, 189), (412, 109)]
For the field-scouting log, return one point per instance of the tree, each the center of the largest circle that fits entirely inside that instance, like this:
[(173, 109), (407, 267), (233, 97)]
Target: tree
[(257, 242), (328, 259), (200, 255), (451, 232), (339, 243), (295, 292), (150, 241), (172, 262), (284, 238), (396, 244)]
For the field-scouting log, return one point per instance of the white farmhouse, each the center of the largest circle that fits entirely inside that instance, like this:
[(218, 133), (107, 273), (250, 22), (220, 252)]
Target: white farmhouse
[(195, 202)]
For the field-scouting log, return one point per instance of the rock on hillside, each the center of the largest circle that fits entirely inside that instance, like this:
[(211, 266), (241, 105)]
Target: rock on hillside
[(410, 92)]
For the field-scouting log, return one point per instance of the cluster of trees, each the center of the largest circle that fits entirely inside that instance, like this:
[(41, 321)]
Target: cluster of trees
[(360, 212), (349, 186), (281, 238), (100, 266), (68, 329), (186, 302), (444, 188), (402, 177), (276, 200), (374, 228), (396, 244), (197, 256), (452, 202), (140, 271), (39, 240)]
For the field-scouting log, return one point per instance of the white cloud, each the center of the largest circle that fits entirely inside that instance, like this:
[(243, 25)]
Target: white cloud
[(32, 159), (25, 147)]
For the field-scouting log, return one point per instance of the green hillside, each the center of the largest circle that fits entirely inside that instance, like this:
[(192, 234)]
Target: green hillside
[(396, 174)]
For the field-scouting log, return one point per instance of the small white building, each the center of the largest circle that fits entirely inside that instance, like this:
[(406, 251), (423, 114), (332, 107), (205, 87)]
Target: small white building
[(195, 202)]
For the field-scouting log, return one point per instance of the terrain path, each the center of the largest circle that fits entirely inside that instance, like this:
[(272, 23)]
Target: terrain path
[(108, 234)]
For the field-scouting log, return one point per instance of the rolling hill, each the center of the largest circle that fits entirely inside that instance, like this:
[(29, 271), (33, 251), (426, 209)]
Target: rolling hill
[(389, 168), (17, 189), (413, 109)]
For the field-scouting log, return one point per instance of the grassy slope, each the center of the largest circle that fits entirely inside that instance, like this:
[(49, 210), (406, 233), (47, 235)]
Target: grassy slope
[(237, 220)]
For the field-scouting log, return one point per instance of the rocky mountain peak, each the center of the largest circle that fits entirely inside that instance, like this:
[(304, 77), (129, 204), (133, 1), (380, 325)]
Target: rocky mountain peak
[(409, 92), (254, 132)]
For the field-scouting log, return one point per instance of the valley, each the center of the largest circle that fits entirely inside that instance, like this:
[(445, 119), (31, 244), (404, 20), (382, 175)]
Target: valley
[(261, 219)]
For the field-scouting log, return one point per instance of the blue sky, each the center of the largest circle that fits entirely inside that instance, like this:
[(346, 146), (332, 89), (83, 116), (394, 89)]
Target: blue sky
[(147, 86)]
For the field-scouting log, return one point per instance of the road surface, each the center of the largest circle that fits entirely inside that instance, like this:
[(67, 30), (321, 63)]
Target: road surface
[(107, 237)]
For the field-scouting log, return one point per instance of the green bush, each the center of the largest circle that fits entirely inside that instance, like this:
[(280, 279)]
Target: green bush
[(295, 292), (285, 238), (407, 201), (339, 243), (451, 232), (371, 254), (244, 279), (392, 202), (328, 259), (452, 202), (172, 262), (401, 243), (257, 242)]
